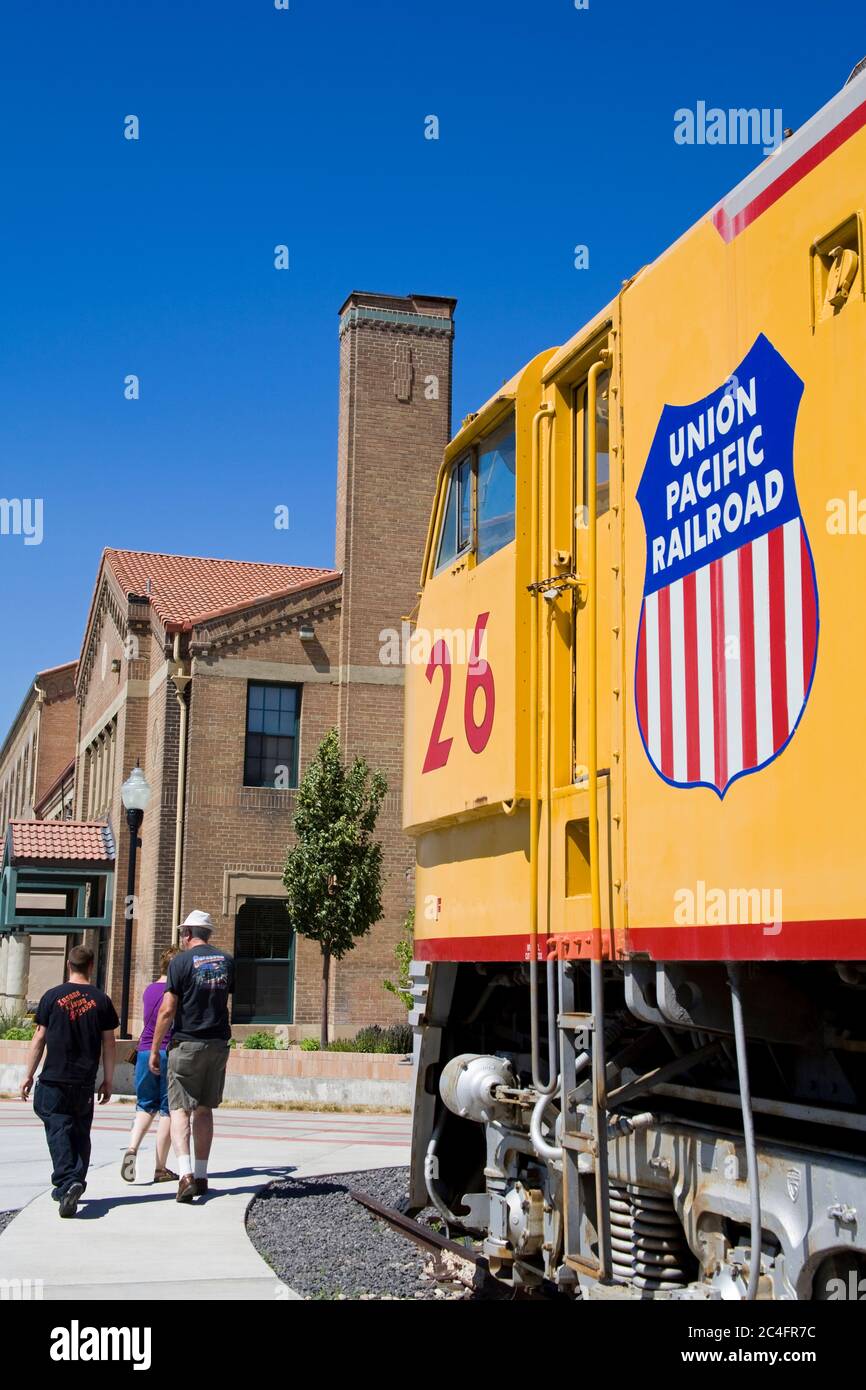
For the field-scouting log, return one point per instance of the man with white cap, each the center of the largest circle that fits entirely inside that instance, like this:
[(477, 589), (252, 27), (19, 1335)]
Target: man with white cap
[(200, 980)]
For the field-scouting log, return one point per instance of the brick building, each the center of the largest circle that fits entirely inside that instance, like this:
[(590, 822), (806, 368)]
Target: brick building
[(36, 781), (40, 742), (222, 677)]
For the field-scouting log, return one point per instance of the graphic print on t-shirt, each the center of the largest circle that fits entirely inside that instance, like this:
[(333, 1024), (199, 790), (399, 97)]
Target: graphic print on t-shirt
[(201, 978), (75, 1004), (211, 972)]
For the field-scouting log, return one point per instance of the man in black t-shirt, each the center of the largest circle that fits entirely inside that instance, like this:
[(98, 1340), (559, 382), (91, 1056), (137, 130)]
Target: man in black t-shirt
[(76, 1022), (196, 1002)]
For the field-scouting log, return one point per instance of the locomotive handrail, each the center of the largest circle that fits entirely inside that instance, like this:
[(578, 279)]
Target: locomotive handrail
[(599, 1061), (591, 501), (546, 411)]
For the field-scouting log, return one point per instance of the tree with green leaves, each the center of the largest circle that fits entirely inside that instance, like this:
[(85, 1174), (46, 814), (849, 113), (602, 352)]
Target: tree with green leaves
[(333, 873), (403, 953)]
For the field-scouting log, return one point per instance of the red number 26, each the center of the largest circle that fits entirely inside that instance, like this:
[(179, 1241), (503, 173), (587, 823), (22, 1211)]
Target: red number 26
[(479, 677)]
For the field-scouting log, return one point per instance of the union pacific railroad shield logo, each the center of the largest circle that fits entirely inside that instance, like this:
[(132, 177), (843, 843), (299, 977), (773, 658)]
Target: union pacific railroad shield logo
[(728, 634)]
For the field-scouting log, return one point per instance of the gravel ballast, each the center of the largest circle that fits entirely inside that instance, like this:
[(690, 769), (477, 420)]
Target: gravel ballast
[(325, 1245)]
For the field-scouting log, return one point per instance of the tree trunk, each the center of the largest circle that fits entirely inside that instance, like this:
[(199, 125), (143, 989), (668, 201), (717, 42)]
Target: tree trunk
[(326, 971)]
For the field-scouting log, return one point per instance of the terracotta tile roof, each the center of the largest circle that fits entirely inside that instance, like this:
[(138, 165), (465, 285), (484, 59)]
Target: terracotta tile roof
[(184, 589), (66, 841)]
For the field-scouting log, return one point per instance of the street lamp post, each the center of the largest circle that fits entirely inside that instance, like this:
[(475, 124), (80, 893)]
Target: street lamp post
[(135, 794)]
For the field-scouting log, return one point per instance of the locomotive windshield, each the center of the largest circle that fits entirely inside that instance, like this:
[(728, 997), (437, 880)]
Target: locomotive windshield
[(457, 524), (496, 491), (479, 509)]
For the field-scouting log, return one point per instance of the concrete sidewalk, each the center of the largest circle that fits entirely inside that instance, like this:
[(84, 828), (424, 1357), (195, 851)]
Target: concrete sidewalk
[(136, 1241)]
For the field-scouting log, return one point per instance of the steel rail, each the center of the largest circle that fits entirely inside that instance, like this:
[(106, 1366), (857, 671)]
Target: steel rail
[(415, 1230)]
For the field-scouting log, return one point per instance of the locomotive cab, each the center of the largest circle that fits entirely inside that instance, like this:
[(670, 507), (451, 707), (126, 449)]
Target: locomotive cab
[(466, 758)]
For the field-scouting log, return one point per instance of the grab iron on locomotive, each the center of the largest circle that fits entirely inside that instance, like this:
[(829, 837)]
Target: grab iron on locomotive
[(638, 791)]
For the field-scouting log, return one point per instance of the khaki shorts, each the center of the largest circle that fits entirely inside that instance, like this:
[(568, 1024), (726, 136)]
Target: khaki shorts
[(197, 1074)]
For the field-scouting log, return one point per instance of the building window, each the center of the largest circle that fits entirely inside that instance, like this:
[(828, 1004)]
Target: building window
[(264, 963), (271, 751), (90, 758)]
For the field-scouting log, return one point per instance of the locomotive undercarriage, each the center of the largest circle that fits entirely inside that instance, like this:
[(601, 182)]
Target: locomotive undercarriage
[(517, 1169)]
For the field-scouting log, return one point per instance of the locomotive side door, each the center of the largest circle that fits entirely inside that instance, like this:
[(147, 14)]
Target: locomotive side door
[(587, 511), (598, 676)]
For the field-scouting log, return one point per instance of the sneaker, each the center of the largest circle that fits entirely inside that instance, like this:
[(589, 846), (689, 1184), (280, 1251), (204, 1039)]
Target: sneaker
[(127, 1166), (186, 1188), (69, 1200), (164, 1175), (200, 1186)]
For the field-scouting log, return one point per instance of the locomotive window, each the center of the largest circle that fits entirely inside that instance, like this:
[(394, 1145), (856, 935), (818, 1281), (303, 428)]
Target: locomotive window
[(457, 524), (602, 423), (496, 491)]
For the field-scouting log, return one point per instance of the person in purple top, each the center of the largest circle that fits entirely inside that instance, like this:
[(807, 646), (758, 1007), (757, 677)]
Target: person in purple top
[(151, 1091)]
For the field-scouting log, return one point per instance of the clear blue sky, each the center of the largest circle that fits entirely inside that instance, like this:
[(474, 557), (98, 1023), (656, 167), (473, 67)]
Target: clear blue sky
[(306, 127)]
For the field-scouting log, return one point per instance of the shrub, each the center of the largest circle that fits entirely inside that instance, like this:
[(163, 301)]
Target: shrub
[(310, 1045), (260, 1042), (397, 1040), (16, 1027)]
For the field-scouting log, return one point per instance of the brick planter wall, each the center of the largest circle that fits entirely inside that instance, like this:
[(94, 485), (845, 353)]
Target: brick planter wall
[(327, 1078)]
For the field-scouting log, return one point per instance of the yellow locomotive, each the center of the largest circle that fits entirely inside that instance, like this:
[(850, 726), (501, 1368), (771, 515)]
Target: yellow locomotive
[(636, 772)]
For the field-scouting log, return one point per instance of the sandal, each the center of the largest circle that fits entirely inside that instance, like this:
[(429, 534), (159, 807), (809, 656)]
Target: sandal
[(164, 1175), (127, 1167)]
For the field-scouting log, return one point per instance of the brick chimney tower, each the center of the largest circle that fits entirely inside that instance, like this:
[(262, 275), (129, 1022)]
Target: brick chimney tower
[(395, 420)]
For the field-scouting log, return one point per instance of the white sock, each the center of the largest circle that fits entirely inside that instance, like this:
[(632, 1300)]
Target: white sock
[(201, 1168), (184, 1164)]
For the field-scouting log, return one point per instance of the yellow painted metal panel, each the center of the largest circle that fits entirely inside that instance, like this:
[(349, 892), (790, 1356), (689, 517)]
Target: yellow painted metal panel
[(789, 829), (794, 828)]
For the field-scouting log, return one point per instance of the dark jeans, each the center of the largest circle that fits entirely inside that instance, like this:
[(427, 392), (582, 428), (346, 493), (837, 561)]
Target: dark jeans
[(67, 1114)]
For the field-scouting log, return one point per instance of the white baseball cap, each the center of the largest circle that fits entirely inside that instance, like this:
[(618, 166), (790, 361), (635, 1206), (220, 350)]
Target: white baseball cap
[(197, 918)]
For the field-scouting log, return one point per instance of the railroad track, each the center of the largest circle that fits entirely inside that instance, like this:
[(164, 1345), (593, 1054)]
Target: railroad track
[(483, 1282), (416, 1230)]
